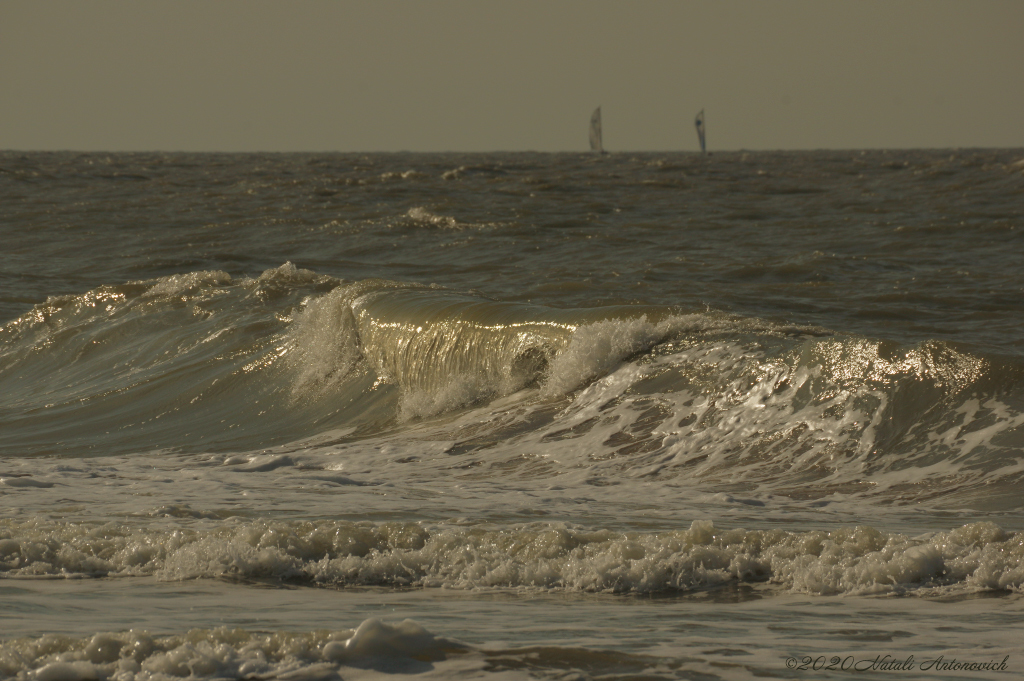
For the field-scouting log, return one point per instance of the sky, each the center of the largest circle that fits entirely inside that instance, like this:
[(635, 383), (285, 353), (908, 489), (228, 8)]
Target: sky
[(522, 75)]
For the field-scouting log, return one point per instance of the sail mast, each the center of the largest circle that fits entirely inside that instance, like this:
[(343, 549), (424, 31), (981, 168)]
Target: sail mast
[(699, 123), (595, 131)]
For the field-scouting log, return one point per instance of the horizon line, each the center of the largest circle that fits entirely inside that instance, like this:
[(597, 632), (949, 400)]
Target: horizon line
[(583, 152)]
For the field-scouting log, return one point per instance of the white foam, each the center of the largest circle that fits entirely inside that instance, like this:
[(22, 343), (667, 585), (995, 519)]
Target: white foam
[(376, 639), (287, 273), (457, 392), (322, 346), (595, 349)]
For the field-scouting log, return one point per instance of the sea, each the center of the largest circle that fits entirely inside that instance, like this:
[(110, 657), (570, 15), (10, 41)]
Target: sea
[(566, 416)]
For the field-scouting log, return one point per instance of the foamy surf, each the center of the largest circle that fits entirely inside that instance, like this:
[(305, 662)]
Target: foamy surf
[(539, 556), (375, 646)]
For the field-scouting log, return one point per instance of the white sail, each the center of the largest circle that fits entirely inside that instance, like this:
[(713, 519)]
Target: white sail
[(595, 131), (699, 122)]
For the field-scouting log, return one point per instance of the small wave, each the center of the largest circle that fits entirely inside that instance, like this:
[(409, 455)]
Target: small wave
[(421, 217), (487, 170), (405, 175), (178, 285)]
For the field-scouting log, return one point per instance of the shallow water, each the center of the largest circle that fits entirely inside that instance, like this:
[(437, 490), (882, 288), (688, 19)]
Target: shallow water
[(655, 414)]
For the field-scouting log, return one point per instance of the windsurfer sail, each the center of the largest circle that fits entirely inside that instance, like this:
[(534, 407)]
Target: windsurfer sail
[(595, 131), (699, 122)]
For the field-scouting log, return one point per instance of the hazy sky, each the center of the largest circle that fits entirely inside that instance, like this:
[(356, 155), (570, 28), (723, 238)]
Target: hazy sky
[(445, 75)]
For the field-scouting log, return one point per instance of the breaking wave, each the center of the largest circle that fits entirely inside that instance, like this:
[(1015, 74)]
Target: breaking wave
[(206, 363)]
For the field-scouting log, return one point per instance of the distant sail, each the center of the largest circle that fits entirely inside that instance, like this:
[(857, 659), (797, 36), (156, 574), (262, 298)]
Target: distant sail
[(595, 131), (699, 122)]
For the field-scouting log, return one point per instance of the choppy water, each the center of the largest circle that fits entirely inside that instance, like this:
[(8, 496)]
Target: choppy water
[(571, 416)]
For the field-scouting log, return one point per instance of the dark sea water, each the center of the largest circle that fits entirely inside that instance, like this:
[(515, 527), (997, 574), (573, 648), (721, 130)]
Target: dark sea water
[(566, 416)]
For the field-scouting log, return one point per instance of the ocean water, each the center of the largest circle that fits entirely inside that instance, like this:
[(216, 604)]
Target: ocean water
[(557, 416)]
